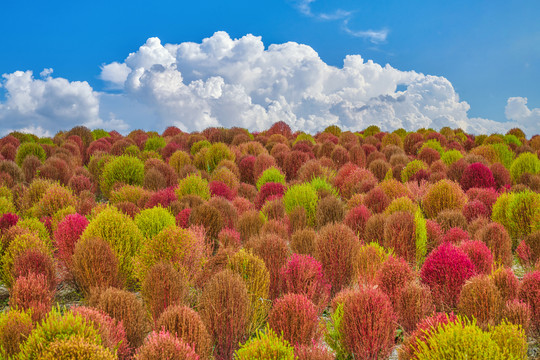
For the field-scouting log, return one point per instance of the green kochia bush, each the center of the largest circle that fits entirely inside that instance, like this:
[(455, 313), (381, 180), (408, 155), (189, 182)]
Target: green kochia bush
[(122, 234), (271, 174), (123, 169), (266, 345), (525, 163), (29, 148), (193, 185), (303, 195), (152, 221), (462, 339)]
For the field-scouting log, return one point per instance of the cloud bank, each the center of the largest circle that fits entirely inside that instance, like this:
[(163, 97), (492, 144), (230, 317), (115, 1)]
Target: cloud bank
[(238, 82)]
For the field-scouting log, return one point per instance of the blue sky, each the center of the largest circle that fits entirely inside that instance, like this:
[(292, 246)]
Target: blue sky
[(489, 51)]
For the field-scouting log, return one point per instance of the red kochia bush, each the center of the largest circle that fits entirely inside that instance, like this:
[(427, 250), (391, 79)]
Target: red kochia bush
[(303, 275), (335, 249), (506, 282), (182, 219), (392, 277), (163, 197), (477, 175), (313, 352), (529, 292), (423, 331), (376, 200), (32, 292), (445, 271), (295, 317), (8, 220), (474, 209), (479, 254), (246, 167), (399, 234), (38, 262), (163, 345), (356, 219), (495, 236), (218, 188), (455, 235), (112, 332), (67, 233), (269, 190), (368, 324), (413, 305)]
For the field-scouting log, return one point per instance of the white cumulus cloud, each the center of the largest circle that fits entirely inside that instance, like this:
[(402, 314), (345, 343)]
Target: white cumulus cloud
[(518, 111)]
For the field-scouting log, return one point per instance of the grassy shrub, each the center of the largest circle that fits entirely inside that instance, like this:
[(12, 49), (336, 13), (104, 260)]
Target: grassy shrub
[(76, 348), (374, 229), (445, 271), (218, 188), (270, 175), (94, 265), (57, 327), (313, 352), (193, 185), (302, 274), (412, 168), (269, 191), (224, 307), (413, 304), (480, 299), (27, 149), (443, 195), (178, 160), (123, 169), (111, 331), (294, 316), (123, 236), (163, 345), (517, 312), (265, 345), (179, 247), (32, 292), (158, 175), (257, 279), (130, 193), (303, 241), (522, 213), (250, 224), (529, 292), (399, 235), (163, 286), (475, 209), (155, 143), (449, 219), (329, 210), (501, 175), (367, 325), (403, 203), (479, 254), (335, 249), (274, 251), (302, 195), (425, 328), (186, 324), (55, 198), (367, 262), (506, 282), (246, 167), (393, 276), (37, 262), (455, 339), (356, 218), (124, 306), (15, 326), (151, 221), (18, 246), (524, 163), (477, 175)]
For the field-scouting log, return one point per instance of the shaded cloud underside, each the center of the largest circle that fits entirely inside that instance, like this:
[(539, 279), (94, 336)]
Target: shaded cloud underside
[(237, 82)]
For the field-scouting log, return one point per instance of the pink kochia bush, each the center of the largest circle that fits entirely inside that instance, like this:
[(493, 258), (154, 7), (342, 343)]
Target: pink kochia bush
[(445, 271), (163, 345), (295, 317), (479, 254), (8, 220), (368, 324), (67, 233), (270, 190), (303, 275), (477, 175), (529, 292)]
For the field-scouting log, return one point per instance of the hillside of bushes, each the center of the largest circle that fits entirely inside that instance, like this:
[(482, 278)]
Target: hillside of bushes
[(225, 244)]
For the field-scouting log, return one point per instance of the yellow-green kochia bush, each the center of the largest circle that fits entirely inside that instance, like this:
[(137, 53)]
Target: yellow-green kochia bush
[(272, 174), (29, 148), (122, 234), (193, 185), (462, 339), (266, 345), (443, 195), (421, 236), (152, 221), (123, 169), (302, 195), (525, 163)]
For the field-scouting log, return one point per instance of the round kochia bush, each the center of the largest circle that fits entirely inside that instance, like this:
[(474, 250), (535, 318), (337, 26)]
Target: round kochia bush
[(151, 221), (15, 326), (123, 169), (265, 345), (443, 195), (67, 233), (164, 345), (29, 148), (122, 234), (445, 271), (477, 175), (193, 185), (302, 195), (525, 163)]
